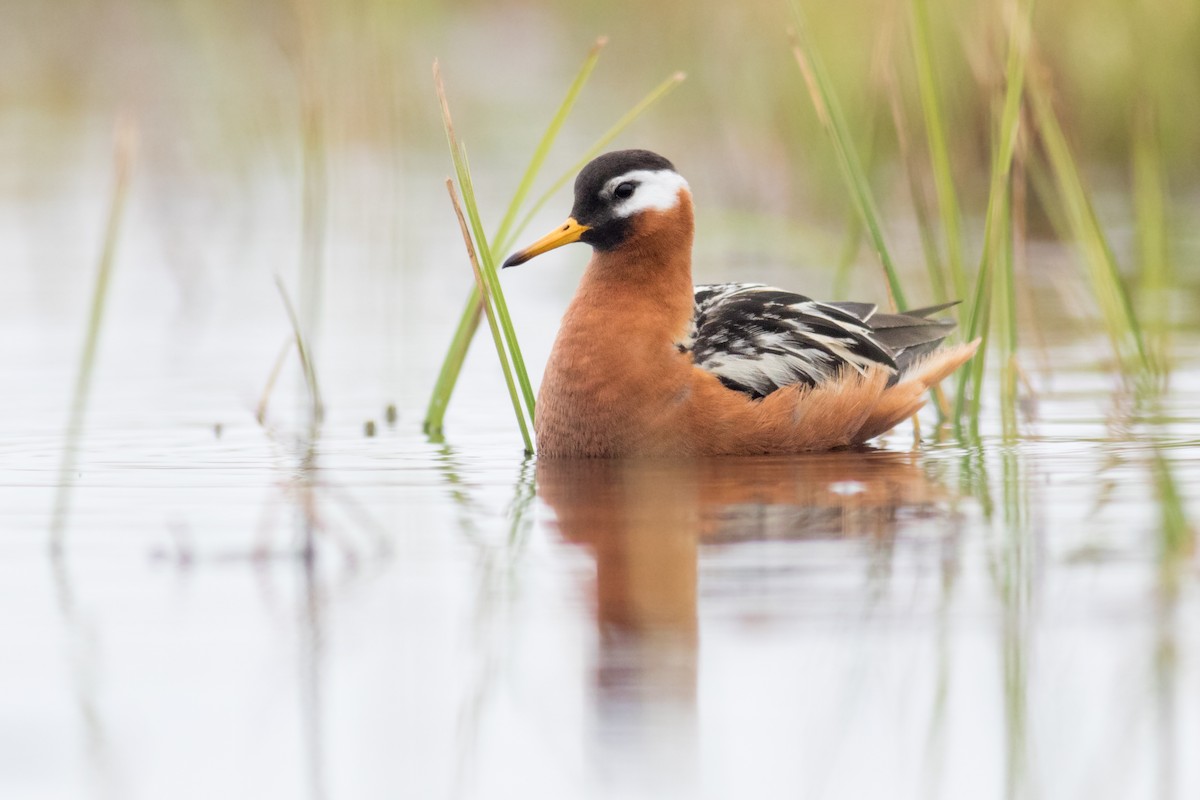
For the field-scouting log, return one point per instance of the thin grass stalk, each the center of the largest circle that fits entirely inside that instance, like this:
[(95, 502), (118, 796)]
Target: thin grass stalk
[(978, 326), (317, 407), (439, 400), (547, 141), (493, 294), (855, 228), (939, 151), (1115, 305), (974, 374), (655, 95), (260, 411), (1029, 323), (933, 261), (929, 247), (123, 157), (1006, 300), (1006, 295), (1155, 271), (981, 319), (481, 284), (829, 111), (979, 314)]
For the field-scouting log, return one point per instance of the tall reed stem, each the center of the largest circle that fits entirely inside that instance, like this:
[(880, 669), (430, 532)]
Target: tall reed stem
[(829, 111), (998, 210)]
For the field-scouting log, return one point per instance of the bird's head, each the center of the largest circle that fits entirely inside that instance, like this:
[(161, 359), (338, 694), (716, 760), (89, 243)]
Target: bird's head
[(619, 197)]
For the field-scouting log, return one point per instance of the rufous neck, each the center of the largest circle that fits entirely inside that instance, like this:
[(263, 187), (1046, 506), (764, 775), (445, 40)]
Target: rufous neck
[(655, 261)]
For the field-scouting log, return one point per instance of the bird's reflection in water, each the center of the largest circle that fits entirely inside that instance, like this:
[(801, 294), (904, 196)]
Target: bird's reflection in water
[(644, 521)]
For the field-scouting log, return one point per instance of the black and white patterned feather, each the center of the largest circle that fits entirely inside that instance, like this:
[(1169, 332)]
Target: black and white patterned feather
[(756, 338)]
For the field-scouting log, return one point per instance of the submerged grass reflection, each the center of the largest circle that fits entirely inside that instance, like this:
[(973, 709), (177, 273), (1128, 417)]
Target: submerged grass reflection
[(1177, 538), (497, 567)]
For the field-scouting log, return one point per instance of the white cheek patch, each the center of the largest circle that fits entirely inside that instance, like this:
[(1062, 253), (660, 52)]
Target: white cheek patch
[(656, 190)]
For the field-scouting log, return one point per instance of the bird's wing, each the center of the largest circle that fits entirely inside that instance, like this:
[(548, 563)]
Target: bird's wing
[(757, 338)]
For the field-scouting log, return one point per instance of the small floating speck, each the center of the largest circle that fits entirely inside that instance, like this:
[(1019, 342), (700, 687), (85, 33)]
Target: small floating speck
[(390, 414), (369, 427), (847, 488)]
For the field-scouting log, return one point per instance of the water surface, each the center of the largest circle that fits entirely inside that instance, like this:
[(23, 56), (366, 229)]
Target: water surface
[(245, 610)]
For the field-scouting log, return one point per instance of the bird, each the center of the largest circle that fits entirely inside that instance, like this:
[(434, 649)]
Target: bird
[(647, 364)]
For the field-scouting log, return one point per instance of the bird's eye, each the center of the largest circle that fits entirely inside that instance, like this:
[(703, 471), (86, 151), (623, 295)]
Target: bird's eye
[(624, 190)]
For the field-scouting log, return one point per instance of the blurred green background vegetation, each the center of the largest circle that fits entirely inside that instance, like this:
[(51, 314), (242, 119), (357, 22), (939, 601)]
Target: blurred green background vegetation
[(222, 85), (333, 101)]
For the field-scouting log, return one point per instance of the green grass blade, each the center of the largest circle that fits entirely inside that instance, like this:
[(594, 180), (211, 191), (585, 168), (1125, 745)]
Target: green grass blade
[(547, 141), (126, 137), (920, 204), (939, 152), (472, 312), (999, 200), (1006, 301), (490, 283), (925, 226), (481, 284), (1115, 306), (980, 328), (452, 364), (656, 94), (854, 227), (1155, 270), (495, 293), (833, 120)]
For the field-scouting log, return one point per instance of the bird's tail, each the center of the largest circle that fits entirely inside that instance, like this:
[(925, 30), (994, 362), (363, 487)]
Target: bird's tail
[(911, 335), (901, 401)]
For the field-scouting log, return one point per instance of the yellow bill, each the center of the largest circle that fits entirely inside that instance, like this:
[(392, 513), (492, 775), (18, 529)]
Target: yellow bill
[(568, 232)]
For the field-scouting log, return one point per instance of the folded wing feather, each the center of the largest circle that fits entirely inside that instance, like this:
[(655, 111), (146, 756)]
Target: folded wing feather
[(757, 338)]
